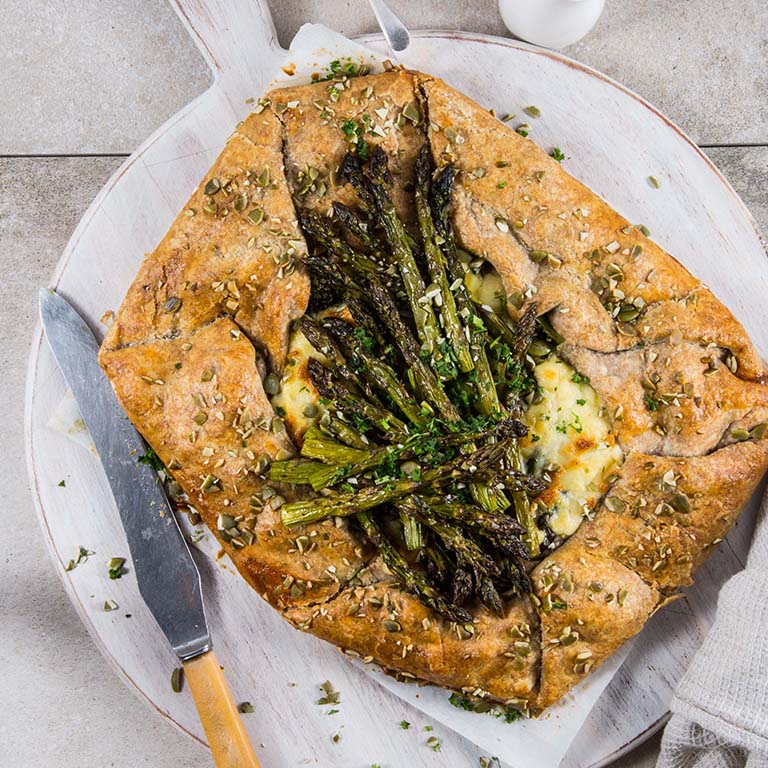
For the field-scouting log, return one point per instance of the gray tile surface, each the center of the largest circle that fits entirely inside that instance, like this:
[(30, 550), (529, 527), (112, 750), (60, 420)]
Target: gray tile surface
[(746, 168), (98, 77), (93, 76)]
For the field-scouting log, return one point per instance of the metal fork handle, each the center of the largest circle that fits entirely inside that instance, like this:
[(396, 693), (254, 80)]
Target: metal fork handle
[(394, 30)]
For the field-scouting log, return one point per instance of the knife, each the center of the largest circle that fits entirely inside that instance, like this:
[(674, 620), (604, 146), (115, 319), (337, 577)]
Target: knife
[(168, 579)]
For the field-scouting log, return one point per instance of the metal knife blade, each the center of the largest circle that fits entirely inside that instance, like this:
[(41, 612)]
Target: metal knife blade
[(167, 576)]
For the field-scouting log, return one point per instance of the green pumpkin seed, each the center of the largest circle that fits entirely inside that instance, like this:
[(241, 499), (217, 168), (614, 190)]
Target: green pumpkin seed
[(177, 680), (212, 187), (413, 113), (539, 348), (272, 384), (680, 502), (615, 504), (225, 522), (628, 313), (211, 484)]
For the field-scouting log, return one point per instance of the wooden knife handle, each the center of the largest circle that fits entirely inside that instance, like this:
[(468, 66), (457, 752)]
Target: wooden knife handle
[(218, 713)]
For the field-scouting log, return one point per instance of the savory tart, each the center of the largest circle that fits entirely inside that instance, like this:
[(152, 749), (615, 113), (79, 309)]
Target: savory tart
[(441, 404)]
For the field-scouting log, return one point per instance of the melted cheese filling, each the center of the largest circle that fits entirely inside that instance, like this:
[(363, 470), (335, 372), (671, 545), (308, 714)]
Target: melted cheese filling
[(570, 434), (297, 399), (487, 289)]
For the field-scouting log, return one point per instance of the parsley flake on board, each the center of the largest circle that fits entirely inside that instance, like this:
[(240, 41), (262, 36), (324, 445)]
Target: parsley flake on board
[(116, 567), (82, 557), (151, 459)]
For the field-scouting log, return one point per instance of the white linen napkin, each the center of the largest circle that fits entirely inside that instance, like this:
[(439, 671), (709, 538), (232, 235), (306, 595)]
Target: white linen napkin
[(720, 709)]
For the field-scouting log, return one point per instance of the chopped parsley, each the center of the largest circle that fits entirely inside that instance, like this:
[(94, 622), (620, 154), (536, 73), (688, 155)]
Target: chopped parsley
[(577, 378), (338, 69), (405, 725), (575, 425), (501, 713), (151, 459), (650, 403), (62, 484), (355, 134), (366, 340), (116, 567), (557, 154)]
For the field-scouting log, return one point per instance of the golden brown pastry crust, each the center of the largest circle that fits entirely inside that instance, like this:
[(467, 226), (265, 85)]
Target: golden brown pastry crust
[(682, 383)]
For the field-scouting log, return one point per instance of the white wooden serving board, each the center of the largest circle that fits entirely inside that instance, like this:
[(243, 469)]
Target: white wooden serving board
[(613, 141)]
